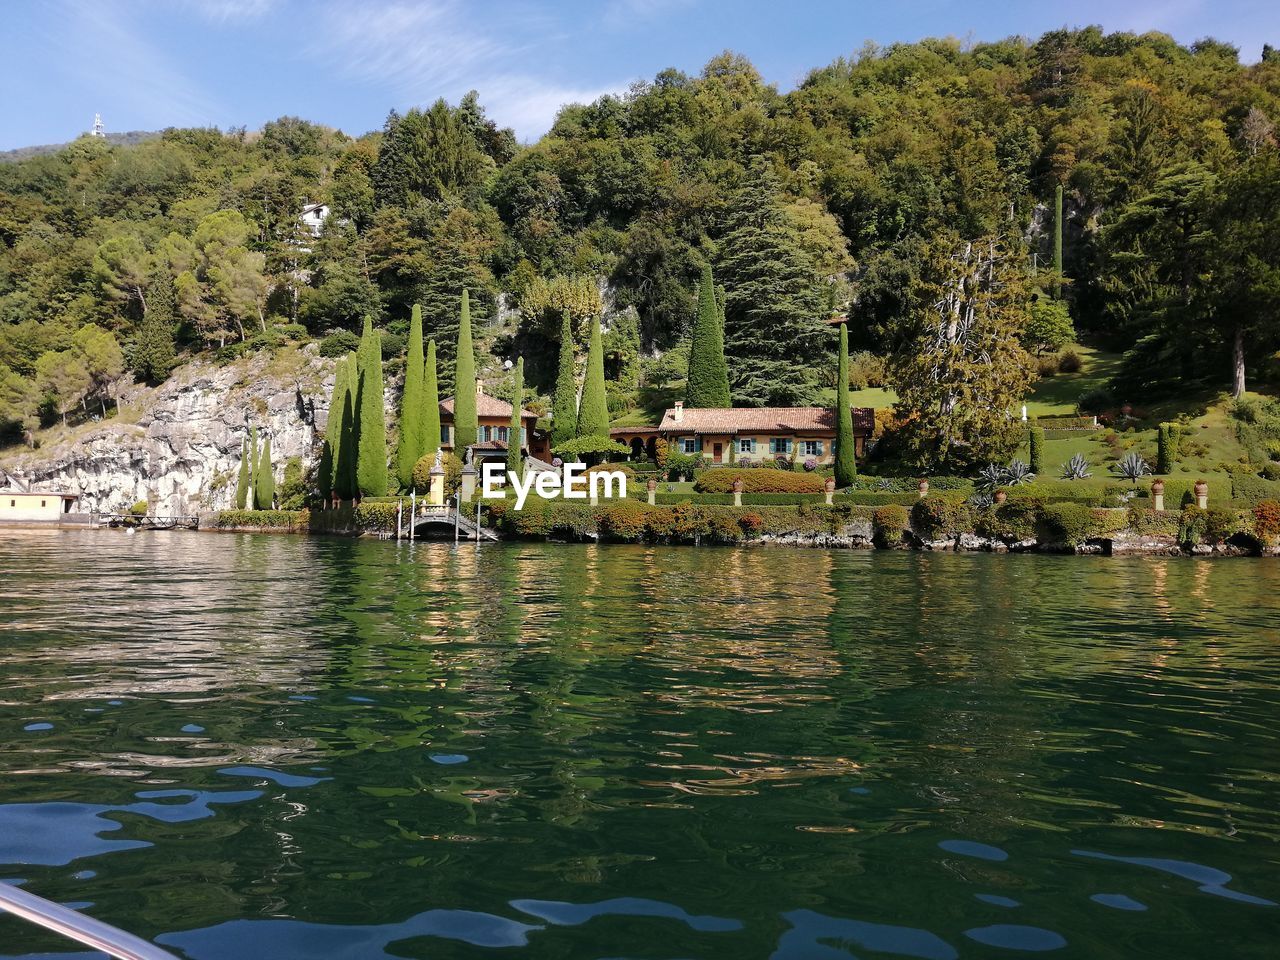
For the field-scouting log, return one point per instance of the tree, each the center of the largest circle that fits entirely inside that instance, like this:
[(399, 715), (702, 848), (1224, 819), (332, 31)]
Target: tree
[(330, 482), (774, 299), (515, 463), (564, 405), (103, 359), (63, 378), (1048, 325), (1057, 240), (465, 426), (961, 371), (593, 413), (371, 442), (347, 452), (846, 449), (430, 405), (409, 446), (124, 268), (1035, 449), (708, 382), (242, 477), (253, 469), (264, 481), (153, 350)]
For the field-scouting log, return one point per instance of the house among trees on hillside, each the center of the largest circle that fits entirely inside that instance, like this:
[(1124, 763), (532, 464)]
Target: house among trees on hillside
[(748, 434), (493, 430)]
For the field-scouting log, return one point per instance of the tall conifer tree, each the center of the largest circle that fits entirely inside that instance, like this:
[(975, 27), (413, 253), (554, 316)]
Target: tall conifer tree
[(330, 482), (264, 486), (465, 425), (242, 478), (515, 463), (593, 414), (154, 351), (564, 405), (346, 453), (846, 451), (253, 468), (409, 443), (708, 383), (430, 405), (1057, 241), (371, 445)]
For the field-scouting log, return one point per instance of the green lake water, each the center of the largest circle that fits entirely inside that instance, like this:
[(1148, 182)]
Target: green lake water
[(297, 748)]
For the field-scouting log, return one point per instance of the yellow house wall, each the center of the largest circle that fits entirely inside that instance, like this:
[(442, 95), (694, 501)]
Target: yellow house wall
[(30, 506)]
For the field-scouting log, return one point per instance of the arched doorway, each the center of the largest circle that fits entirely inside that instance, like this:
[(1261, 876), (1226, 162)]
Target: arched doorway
[(637, 448)]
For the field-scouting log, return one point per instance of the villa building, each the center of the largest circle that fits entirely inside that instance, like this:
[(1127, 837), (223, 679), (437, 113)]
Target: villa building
[(493, 433), (741, 434)]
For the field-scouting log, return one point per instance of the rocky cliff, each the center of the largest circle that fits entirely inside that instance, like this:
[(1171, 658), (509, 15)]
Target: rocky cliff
[(177, 445)]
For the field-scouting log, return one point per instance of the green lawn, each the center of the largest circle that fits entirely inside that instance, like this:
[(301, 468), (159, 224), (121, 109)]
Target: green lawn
[(1057, 395)]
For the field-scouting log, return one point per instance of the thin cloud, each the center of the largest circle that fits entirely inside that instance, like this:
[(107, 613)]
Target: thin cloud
[(231, 11), (421, 51)]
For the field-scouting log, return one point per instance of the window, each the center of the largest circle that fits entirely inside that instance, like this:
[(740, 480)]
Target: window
[(690, 444), (780, 445), (813, 448), (42, 503), (444, 433), (486, 434), (747, 445), (504, 434)]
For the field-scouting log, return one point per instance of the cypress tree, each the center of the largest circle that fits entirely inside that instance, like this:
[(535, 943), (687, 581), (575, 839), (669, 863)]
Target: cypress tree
[(253, 468), (593, 414), (330, 483), (1057, 240), (242, 478), (154, 349), (371, 443), (409, 443), (264, 486), (708, 383), (1166, 444), (1036, 451), (430, 405), (846, 450), (465, 425), (564, 406), (514, 462), (346, 451)]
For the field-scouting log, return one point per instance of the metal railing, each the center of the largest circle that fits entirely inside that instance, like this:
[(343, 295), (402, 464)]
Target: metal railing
[(78, 927)]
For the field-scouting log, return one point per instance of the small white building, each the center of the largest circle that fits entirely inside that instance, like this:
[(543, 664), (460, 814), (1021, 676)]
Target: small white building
[(313, 216), (35, 505)]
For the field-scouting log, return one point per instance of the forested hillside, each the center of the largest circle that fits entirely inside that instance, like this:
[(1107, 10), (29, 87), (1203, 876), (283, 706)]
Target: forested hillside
[(879, 184)]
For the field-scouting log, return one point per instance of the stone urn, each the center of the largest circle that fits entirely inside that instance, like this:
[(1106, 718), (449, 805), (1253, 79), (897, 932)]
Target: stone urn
[(830, 489), (737, 492), (653, 491), (923, 487), (1157, 495), (1202, 494), (1000, 497)]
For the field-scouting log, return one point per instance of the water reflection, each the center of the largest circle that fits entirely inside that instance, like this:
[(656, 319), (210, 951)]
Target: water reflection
[(297, 748)]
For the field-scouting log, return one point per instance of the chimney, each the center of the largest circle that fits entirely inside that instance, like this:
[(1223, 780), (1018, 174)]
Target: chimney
[(479, 388), (678, 415)]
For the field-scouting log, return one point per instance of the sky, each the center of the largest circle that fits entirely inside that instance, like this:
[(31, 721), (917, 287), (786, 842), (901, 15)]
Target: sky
[(151, 64)]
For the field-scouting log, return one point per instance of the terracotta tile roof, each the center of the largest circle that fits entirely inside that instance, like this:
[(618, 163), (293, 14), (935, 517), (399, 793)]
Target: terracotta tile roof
[(486, 406), (732, 420)]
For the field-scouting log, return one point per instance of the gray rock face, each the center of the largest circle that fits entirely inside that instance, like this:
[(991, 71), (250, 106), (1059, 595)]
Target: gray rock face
[(182, 453)]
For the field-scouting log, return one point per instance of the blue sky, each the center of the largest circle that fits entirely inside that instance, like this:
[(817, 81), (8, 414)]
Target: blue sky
[(149, 64)]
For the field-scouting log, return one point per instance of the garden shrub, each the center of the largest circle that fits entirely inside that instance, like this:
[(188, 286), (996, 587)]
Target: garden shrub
[(935, 517), (339, 344), (266, 519), (720, 480), (377, 515), (1095, 401), (1015, 520), (1148, 523), (1266, 521), (872, 498), (888, 523), (1075, 523), (1069, 362), (751, 524), (140, 508), (1252, 489), (622, 520), (1212, 526)]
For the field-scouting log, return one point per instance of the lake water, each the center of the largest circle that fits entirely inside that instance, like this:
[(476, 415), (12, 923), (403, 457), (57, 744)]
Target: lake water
[(298, 748)]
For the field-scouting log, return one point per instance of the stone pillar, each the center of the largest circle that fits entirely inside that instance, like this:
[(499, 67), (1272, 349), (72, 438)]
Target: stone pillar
[(653, 491), (923, 487), (1157, 496), (737, 492), (468, 491), (1202, 495), (435, 487), (830, 489)]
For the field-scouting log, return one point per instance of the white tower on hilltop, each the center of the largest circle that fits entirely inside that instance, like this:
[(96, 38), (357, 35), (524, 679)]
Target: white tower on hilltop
[(98, 129)]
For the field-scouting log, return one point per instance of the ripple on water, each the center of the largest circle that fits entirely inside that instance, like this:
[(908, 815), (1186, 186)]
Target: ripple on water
[(1118, 901), (970, 848), (1012, 936)]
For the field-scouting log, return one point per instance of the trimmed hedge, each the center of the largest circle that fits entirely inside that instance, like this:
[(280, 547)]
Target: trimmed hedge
[(267, 519), (873, 498), (1075, 523), (720, 480), (1250, 489), (1067, 423)]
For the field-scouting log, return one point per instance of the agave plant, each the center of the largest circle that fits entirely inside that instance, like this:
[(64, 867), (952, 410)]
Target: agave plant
[(885, 484), (991, 476), (981, 501), (1018, 473), (1132, 466), (1077, 468)]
